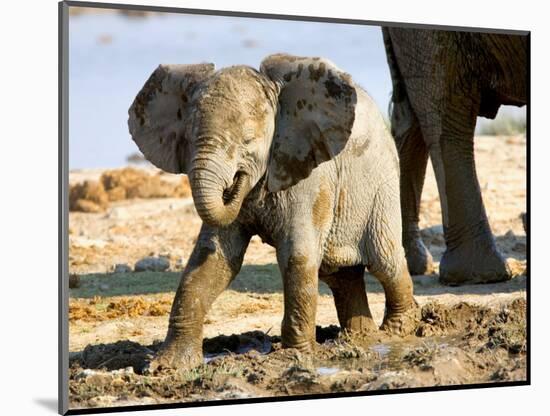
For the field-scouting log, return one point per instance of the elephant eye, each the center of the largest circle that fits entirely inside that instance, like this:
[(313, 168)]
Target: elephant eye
[(248, 140)]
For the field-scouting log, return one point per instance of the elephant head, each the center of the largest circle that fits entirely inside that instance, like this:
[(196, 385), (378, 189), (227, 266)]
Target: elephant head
[(230, 127)]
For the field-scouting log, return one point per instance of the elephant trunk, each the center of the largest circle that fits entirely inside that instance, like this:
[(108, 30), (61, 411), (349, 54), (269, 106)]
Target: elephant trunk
[(217, 199)]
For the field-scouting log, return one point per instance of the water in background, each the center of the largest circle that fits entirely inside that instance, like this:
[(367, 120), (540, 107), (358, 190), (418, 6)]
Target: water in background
[(111, 56)]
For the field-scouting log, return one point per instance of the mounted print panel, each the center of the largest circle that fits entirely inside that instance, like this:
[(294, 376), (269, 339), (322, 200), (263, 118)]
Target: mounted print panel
[(263, 208)]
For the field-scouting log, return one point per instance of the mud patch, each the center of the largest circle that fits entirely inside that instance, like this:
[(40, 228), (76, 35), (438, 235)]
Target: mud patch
[(461, 344)]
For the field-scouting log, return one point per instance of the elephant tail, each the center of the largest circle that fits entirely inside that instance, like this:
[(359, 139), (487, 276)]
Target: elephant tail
[(400, 110)]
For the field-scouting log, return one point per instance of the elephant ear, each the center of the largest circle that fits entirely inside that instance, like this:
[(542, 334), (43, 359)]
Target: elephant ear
[(158, 117), (315, 116)]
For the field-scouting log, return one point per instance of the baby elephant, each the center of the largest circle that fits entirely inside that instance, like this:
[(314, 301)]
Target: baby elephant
[(296, 153)]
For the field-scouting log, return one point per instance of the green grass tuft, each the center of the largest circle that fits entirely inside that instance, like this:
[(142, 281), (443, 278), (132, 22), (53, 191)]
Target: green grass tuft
[(503, 126)]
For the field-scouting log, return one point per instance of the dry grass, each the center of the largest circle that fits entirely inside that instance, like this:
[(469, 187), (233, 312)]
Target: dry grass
[(130, 183), (120, 184), (100, 309), (255, 305), (88, 196)]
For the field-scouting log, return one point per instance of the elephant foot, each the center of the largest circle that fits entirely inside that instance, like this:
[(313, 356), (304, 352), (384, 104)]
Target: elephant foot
[(360, 325), (477, 261), (175, 357), (305, 346), (403, 322), (419, 259), (295, 337)]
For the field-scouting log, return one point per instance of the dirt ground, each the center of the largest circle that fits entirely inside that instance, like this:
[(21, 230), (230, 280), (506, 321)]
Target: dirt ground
[(468, 334)]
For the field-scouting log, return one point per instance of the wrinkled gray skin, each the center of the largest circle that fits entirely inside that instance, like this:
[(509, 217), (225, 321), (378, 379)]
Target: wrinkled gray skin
[(442, 81), (297, 154)]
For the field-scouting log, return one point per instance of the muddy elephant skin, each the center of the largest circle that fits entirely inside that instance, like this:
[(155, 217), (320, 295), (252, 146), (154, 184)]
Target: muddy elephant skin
[(442, 81), (296, 153)]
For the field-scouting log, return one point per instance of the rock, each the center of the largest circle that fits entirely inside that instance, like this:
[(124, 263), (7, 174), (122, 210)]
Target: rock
[(425, 280), (179, 264), (85, 373), (122, 268), (152, 264), (127, 371), (433, 230), (327, 371), (433, 235)]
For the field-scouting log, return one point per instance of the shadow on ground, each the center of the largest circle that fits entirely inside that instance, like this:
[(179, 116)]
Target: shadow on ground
[(510, 245), (123, 354), (260, 279)]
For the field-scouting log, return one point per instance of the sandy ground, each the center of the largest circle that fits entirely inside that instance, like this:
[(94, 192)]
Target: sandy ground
[(132, 229)]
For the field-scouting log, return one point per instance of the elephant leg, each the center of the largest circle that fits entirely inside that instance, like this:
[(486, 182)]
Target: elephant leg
[(350, 297), (471, 254), (439, 171), (413, 158), (388, 264), (215, 261), (402, 312), (300, 285)]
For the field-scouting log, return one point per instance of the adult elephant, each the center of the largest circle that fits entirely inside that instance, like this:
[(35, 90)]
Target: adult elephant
[(443, 80)]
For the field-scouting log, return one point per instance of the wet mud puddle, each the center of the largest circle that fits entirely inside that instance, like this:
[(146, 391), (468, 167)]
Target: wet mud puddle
[(384, 356)]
